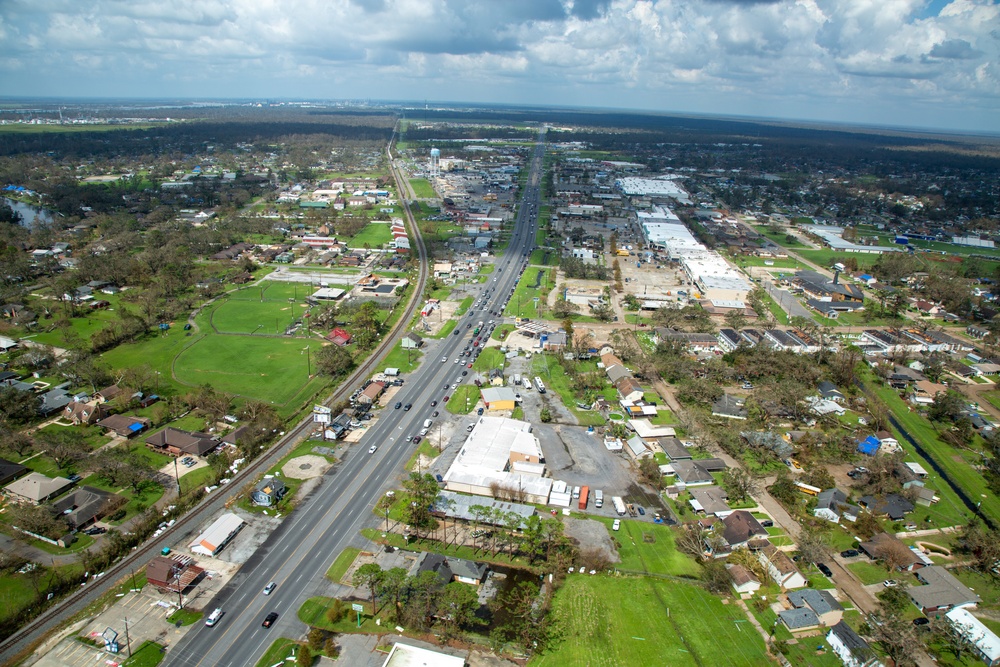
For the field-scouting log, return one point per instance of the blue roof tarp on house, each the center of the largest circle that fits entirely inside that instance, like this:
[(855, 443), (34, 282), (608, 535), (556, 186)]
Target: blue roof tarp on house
[(136, 427), (869, 445)]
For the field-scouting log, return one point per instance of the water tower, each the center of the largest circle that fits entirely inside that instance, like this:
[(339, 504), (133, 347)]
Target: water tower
[(435, 162)]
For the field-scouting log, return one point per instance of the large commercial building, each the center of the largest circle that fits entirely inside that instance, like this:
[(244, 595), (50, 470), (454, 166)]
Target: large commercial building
[(504, 453), (651, 187)]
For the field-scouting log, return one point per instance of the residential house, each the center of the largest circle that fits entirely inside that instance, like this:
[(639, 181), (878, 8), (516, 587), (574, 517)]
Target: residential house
[(35, 488), (984, 641), (710, 500), (629, 389), (832, 504), (893, 505), (940, 591), (730, 407), (451, 569), (53, 401), (743, 580), (740, 528), (888, 444), (9, 471), (674, 449), (85, 505), (799, 620), (768, 440), (830, 392), (125, 426), (236, 435), (881, 543), (869, 445), (78, 412), (108, 394), (176, 442), (268, 491), (697, 473), (821, 602), (636, 448), (850, 647), (780, 568)]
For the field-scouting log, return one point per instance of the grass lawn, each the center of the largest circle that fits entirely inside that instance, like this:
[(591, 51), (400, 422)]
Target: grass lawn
[(270, 369), (521, 302), (490, 357), (959, 471), (425, 448), (375, 234), (256, 316), (555, 378), (649, 548), (184, 617), (339, 567), (148, 654), (463, 400), (136, 502), (405, 360), (422, 188), (779, 237), (827, 257), (641, 621), (279, 650), (197, 479), (869, 573)]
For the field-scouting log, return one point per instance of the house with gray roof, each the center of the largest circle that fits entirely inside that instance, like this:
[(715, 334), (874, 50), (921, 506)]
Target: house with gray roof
[(799, 620), (268, 492), (850, 647), (768, 440), (940, 591), (821, 602), (674, 449), (832, 505), (694, 473)]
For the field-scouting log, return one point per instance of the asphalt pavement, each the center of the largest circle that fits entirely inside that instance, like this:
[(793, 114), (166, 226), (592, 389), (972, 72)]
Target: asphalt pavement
[(297, 555)]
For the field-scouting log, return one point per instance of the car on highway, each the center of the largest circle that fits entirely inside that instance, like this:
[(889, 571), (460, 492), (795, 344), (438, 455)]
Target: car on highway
[(407, 407), (270, 587), (270, 619), (446, 397), (824, 568), (444, 359), (214, 617), (417, 439), (458, 331), (398, 405), (434, 414), (469, 366), (457, 360), (464, 373), (371, 450)]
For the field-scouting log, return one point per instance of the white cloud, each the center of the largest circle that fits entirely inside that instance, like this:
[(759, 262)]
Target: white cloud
[(825, 59)]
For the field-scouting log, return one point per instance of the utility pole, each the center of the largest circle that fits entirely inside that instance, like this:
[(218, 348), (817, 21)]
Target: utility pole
[(128, 642), (177, 478)]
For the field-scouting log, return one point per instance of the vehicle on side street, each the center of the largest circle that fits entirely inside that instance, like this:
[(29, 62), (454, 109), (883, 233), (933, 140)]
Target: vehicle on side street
[(825, 569)]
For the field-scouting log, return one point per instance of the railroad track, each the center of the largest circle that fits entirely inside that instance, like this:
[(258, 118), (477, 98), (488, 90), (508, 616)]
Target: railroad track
[(19, 645)]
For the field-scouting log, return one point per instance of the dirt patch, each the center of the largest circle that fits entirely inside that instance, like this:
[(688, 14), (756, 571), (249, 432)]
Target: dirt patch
[(305, 467), (434, 322), (592, 535)]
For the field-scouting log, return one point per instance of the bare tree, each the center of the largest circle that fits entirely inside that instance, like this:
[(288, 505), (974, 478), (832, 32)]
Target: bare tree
[(893, 554), (739, 484)]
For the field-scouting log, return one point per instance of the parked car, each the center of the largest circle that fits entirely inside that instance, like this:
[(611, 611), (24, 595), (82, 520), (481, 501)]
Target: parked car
[(849, 553), (270, 619), (616, 525), (825, 569), (890, 583), (642, 511)]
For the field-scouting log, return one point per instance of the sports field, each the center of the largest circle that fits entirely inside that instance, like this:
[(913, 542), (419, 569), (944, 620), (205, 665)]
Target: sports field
[(254, 316), (644, 621), (272, 369)]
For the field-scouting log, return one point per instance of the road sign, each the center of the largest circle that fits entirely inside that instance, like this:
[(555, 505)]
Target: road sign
[(358, 607)]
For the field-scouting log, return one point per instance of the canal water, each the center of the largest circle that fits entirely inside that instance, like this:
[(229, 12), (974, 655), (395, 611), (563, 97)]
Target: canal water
[(29, 214)]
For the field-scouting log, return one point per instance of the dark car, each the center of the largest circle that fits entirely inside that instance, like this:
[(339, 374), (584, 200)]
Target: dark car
[(407, 406), (921, 621), (433, 403), (270, 619), (458, 332), (464, 373), (767, 523), (398, 405), (642, 510), (416, 439), (849, 553), (824, 569), (434, 414)]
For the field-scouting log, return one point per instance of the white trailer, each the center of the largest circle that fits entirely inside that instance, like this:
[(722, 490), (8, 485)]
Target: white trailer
[(539, 386), (619, 505)]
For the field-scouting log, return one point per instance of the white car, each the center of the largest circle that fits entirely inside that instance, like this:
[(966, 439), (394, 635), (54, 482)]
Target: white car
[(371, 450), (616, 525), (214, 617), (444, 359), (270, 587)]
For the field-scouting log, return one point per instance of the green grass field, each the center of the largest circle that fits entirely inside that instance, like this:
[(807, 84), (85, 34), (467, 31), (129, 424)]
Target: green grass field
[(255, 316), (604, 621), (463, 400), (827, 257), (554, 376), (521, 302), (778, 238), (649, 547), (272, 369), (422, 188), (490, 357), (405, 360), (278, 651), (339, 566), (375, 234), (149, 654)]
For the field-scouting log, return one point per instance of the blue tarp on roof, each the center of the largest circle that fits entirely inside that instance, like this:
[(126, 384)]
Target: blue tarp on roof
[(135, 427), (869, 445)]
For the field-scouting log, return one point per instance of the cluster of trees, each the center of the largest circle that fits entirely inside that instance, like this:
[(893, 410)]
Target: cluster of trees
[(574, 267)]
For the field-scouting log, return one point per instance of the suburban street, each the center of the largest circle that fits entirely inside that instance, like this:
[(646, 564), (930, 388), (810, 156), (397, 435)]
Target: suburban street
[(297, 555)]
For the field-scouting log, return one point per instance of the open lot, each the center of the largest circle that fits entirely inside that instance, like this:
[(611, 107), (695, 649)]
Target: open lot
[(641, 621)]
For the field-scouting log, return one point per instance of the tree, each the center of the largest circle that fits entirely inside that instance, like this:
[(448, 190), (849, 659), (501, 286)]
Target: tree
[(844, 365), (545, 415), (982, 543), (947, 406), (420, 493), (893, 554), (567, 325), (739, 484), (715, 576), (649, 473), (457, 607), (334, 360), (63, 445), (18, 407), (391, 586), (959, 639), (895, 633), (304, 657), (735, 319), (368, 576), (15, 441), (813, 545), (522, 626), (38, 519), (691, 540)]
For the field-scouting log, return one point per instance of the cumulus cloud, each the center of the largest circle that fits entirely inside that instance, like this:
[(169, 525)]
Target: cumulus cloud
[(837, 59)]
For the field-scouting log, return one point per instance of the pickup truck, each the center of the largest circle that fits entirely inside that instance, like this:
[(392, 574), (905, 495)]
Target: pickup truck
[(631, 510)]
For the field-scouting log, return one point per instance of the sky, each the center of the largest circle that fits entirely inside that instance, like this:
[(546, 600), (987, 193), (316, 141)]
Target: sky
[(913, 63)]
